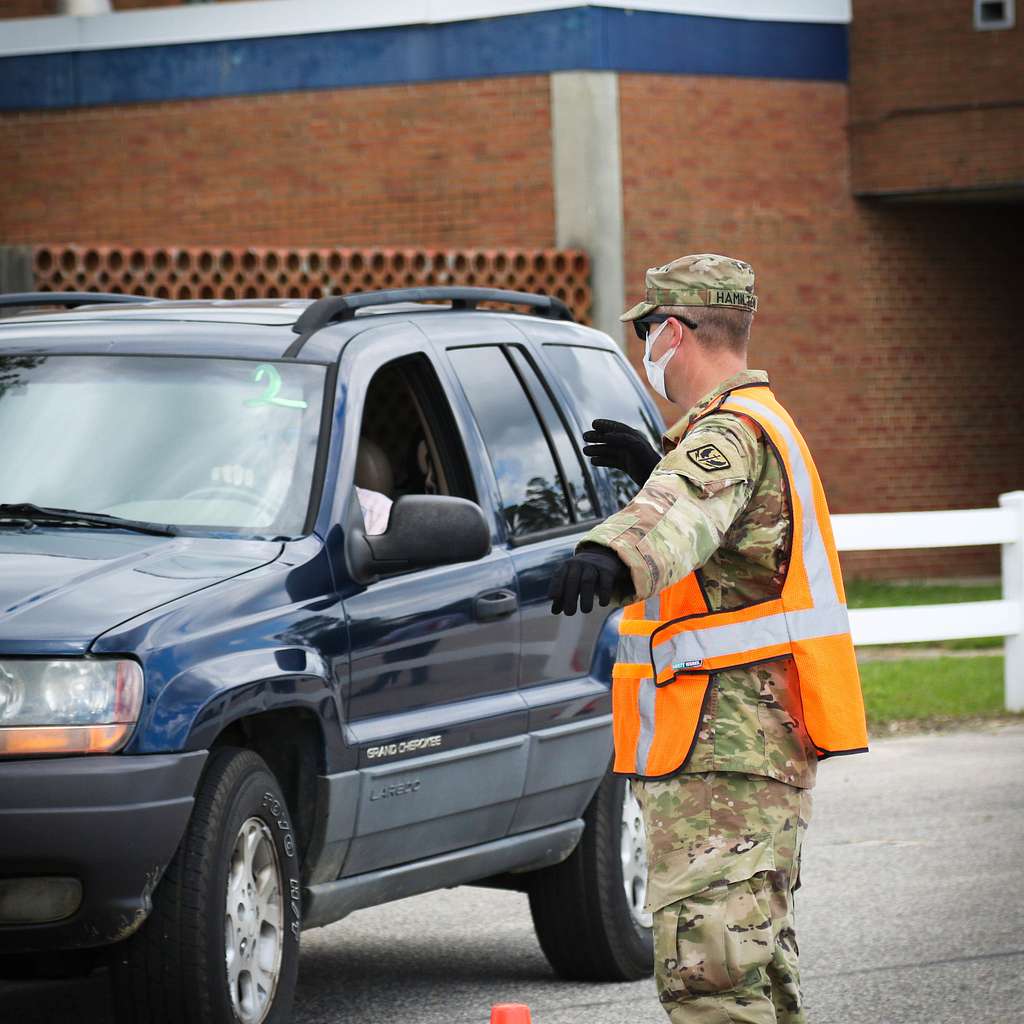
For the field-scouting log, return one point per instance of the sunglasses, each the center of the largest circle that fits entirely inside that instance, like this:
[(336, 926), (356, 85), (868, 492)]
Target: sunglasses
[(643, 325)]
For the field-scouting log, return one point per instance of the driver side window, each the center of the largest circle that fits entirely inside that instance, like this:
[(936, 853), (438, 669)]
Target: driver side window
[(408, 442)]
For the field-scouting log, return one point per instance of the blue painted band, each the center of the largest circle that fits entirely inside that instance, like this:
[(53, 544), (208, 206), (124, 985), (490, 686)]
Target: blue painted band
[(588, 38)]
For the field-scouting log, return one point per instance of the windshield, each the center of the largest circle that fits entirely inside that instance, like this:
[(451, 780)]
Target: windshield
[(215, 443)]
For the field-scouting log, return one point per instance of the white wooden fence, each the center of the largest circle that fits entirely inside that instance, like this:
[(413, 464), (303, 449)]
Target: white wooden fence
[(896, 530)]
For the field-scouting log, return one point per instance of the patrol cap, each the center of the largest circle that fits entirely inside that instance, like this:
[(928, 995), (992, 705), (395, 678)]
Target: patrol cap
[(701, 280)]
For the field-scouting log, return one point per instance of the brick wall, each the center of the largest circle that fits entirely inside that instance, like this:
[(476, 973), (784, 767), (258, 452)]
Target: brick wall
[(445, 164), (885, 329), (934, 104), (27, 8), (940, 365)]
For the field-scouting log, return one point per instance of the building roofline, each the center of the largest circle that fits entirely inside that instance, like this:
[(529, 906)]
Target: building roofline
[(584, 37), (256, 19)]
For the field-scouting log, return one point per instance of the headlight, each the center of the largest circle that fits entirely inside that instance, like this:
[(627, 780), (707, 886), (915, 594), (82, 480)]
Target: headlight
[(70, 706)]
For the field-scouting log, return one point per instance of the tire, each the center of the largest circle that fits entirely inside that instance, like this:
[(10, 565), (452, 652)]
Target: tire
[(176, 969), (587, 927)]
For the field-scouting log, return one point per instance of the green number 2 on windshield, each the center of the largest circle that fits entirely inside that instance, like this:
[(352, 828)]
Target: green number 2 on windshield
[(272, 389)]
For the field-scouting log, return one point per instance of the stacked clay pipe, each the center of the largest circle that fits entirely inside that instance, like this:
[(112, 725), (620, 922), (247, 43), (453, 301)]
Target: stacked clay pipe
[(197, 272)]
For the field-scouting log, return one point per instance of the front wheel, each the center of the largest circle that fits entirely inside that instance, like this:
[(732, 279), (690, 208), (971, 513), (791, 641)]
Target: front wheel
[(588, 910), (221, 945)]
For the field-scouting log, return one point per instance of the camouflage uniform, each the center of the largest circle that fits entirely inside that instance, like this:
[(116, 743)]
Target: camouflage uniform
[(724, 833), (724, 851)]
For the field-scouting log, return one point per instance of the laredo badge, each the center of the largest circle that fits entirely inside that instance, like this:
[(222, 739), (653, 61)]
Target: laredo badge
[(708, 457)]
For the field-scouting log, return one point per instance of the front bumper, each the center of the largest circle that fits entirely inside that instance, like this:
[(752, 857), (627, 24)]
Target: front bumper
[(111, 822)]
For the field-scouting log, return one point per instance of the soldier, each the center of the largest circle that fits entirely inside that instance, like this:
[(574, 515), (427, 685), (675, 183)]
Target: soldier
[(735, 671)]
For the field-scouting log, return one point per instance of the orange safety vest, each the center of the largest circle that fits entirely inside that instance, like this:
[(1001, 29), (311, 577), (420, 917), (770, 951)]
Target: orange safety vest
[(671, 644)]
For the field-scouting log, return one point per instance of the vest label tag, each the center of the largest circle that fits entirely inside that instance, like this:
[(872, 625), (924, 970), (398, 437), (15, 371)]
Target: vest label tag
[(677, 665)]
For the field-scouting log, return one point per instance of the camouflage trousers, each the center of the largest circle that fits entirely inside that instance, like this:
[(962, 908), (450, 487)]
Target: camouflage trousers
[(723, 862)]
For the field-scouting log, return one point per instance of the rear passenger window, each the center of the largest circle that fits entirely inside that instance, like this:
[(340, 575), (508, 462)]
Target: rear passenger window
[(532, 493), (570, 462), (603, 390)]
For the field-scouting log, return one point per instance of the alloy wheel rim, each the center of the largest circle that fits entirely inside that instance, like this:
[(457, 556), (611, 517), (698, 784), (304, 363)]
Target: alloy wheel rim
[(634, 859), (253, 922)]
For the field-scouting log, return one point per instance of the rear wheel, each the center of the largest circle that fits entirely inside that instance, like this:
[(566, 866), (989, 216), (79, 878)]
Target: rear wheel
[(588, 910), (221, 945)]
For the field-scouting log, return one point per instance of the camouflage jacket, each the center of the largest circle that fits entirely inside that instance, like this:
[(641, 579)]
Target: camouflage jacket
[(727, 514)]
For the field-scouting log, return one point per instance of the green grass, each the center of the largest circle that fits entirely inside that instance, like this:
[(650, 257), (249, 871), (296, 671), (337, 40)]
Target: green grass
[(872, 594), (932, 688)]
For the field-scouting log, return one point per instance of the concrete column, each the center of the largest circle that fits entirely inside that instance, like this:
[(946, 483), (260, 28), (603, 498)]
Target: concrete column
[(16, 273), (588, 183), (83, 8)]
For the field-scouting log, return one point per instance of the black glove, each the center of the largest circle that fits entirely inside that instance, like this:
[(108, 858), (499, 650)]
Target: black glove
[(577, 578), (620, 446)]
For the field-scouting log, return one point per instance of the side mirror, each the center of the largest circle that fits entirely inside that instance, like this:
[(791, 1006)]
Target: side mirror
[(425, 530)]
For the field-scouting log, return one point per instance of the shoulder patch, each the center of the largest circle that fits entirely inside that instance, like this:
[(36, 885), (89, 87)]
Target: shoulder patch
[(708, 457)]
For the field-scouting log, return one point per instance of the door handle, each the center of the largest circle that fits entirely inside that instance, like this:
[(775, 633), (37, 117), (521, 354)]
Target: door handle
[(495, 604)]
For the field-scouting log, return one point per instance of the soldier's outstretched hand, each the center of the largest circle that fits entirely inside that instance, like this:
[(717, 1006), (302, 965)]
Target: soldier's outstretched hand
[(594, 571), (620, 446)]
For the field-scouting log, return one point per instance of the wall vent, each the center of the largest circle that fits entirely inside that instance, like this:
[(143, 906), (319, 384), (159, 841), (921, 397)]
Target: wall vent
[(989, 14)]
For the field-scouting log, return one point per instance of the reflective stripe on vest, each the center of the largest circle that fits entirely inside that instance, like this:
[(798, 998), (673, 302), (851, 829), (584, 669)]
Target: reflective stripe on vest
[(659, 646), (698, 648), (816, 560)]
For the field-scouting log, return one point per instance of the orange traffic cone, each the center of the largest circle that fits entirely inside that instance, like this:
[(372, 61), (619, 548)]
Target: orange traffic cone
[(510, 1013)]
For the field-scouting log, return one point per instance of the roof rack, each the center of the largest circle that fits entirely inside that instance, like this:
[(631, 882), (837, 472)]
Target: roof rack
[(337, 308), (69, 298)]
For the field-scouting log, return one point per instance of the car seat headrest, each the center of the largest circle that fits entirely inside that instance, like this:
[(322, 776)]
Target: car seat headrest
[(373, 468)]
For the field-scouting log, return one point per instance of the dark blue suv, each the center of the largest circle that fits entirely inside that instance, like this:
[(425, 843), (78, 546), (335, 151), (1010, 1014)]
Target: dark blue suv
[(274, 636)]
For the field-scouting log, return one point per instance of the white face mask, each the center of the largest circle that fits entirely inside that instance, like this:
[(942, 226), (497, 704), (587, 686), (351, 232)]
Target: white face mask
[(656, 370)]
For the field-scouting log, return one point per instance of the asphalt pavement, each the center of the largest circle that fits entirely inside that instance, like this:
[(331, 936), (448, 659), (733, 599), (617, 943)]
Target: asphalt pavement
[(911, 912)]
